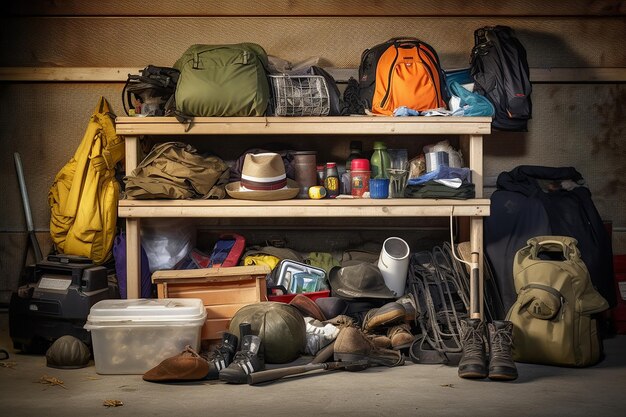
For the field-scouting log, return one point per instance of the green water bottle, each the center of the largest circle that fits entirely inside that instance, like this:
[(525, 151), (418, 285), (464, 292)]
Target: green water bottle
[(380, 161)]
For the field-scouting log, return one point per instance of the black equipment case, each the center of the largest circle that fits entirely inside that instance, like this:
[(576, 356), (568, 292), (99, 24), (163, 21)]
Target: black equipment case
[(55, 301)]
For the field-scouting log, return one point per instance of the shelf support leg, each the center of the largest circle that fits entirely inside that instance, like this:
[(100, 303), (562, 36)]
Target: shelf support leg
[(133, 227), (476, 277), (133, 258), (474, 144)]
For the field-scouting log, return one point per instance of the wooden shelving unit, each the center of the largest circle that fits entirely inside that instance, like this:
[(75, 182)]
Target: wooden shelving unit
[(470, 130)]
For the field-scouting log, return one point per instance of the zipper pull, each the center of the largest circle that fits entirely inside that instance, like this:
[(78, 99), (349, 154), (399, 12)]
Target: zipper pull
[(245, 57), (196, 60)]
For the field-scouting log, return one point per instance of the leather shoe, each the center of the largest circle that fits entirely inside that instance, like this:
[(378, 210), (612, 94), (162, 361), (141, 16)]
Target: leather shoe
[(400, 336), (387, 314), (186, 366)]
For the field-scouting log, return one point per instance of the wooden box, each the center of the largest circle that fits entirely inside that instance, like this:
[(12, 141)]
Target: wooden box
[(223, 292)]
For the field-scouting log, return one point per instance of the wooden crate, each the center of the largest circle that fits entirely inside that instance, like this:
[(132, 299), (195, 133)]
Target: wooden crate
[(223, 292)]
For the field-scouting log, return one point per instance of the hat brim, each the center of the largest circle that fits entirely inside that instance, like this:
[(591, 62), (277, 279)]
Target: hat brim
[(53, 365), (235, 190), (338, 289), (307, 307)]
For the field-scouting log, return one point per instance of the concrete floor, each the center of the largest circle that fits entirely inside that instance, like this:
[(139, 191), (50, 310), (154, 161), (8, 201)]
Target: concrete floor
[(410, 390)]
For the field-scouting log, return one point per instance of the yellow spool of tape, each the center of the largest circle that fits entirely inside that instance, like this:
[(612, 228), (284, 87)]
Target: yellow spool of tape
[(317, 192)]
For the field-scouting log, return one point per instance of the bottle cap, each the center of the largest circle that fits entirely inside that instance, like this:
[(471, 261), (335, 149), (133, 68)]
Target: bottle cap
[(379, 145), (360, 164), (331, 164), (356, 145)]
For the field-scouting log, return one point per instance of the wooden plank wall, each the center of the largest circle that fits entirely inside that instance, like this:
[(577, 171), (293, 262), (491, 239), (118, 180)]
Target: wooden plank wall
[(577, 121)]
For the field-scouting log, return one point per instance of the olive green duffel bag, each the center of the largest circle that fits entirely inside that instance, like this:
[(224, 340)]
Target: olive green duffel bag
[(222, 80), (552, 316)]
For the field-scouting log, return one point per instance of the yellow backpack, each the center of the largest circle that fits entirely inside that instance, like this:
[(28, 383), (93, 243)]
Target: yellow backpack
[(83, 198)]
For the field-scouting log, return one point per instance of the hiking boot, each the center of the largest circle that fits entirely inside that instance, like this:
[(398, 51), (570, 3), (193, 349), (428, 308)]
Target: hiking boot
[(410, 307), (501, 364), (473, 363), (340, 321), (387, 314), (245, 362), (400, 336), (221, 356), (380, 340), (353, 345)]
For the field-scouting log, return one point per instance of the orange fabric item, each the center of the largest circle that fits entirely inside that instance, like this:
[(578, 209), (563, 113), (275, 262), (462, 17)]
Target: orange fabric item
[(406, 75)]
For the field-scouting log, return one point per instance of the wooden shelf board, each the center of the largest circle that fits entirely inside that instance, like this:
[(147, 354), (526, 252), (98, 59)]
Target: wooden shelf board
[(341, 75), (332, 125), (303, 208)]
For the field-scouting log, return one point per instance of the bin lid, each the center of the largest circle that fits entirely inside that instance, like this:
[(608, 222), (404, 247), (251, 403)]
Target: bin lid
[(145, 310)]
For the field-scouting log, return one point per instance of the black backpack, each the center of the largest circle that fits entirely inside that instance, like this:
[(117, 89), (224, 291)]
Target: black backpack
[(152, 91), (500, 72), (532, 201)]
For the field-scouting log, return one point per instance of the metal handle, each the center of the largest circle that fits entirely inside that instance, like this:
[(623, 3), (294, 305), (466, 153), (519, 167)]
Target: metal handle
[(27, 212)]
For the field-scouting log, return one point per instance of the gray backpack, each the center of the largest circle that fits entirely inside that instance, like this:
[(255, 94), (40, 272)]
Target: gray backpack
[(222, 80)]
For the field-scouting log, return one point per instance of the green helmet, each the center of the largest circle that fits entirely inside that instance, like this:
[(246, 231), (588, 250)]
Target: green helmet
[(68, 352)]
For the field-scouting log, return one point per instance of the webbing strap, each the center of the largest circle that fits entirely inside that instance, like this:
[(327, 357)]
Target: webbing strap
[(442, 303)]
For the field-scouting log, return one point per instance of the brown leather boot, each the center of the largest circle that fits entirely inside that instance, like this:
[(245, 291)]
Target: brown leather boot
[(389, 313), (353, 345), (400, 336), (380, 340), (410, 307)]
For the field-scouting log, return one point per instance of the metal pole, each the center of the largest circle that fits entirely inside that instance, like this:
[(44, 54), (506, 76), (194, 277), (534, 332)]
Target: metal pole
[(29, 217)]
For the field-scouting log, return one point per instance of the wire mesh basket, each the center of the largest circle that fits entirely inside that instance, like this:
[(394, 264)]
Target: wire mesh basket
[(300, 95)]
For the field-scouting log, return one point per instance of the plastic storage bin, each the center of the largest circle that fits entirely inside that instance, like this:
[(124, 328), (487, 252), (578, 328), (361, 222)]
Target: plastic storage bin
[(133, 336)]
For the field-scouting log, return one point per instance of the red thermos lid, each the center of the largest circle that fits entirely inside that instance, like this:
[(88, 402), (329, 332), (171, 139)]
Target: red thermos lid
[(360, 164)]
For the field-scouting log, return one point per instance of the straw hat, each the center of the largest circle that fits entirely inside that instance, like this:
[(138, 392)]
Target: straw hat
[(263, 178)]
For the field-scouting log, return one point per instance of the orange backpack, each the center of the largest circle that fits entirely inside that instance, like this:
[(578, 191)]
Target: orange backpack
[(401, 72)]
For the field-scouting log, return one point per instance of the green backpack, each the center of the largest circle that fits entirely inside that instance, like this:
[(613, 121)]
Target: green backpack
[(222, 80), (552, 316)]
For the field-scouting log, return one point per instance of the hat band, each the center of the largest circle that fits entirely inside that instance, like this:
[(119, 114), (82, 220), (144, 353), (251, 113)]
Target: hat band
[(265, 185)]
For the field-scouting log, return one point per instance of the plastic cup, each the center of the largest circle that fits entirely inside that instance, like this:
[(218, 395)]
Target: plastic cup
[(379, 187), (398, 179)]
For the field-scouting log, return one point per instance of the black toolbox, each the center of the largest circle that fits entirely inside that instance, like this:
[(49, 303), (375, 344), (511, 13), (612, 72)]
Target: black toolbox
[(54, 300)]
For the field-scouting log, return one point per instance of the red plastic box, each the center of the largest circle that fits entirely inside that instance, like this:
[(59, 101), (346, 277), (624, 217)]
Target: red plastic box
[(286, 298)]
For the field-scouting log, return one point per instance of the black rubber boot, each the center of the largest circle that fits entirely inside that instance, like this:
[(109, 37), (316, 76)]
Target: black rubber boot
[(244, 330), (245, 362), (473, 363), (501, 364), (220, 357)]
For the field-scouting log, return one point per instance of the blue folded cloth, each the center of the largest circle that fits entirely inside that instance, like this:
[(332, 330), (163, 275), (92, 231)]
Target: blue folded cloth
[(405, 111), (443, 172)]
